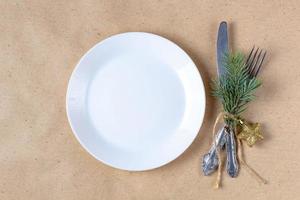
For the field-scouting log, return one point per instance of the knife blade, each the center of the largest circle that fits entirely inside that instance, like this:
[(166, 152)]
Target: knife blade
[(222, 47)]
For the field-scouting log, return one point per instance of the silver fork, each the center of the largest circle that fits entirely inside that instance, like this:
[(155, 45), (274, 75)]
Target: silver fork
[(253, 65), (255, 61)]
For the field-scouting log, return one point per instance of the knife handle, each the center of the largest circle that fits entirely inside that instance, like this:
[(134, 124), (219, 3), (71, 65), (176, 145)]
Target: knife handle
[(210, 160)]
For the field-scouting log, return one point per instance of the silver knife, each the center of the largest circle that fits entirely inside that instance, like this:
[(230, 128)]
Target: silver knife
[(210, 160), (222, 49)]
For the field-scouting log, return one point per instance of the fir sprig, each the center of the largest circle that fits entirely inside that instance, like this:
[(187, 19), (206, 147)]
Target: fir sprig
[(235, 88)]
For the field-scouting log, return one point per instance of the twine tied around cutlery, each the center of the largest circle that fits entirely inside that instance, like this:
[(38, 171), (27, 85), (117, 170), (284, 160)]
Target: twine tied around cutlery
[(221, 116)]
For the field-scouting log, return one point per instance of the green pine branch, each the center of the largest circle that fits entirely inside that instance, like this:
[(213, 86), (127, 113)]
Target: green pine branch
[(235, 88)]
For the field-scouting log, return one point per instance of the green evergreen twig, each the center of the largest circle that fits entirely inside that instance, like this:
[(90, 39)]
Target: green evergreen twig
[(235, 88)]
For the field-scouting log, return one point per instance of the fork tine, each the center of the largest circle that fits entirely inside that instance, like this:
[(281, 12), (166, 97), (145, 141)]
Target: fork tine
[(257, 59), (260, 64), (250, 55), (252, 61)]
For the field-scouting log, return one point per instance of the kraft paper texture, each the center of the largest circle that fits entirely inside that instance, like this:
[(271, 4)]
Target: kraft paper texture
[(40, 44)]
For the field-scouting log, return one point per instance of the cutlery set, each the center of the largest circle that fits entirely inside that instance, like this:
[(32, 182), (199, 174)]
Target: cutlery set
[(225, 138)]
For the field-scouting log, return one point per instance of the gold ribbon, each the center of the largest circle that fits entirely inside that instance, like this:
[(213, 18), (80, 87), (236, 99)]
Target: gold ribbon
[(240, 154)]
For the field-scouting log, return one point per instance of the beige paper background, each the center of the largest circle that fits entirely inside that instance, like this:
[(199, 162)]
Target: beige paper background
[(41, 42)]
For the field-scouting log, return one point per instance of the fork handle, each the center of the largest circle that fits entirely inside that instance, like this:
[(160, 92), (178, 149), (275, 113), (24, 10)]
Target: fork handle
[(231, 164)]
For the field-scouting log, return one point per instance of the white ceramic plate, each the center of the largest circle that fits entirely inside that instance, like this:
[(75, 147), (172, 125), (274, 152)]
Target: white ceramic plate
[(135, 101)]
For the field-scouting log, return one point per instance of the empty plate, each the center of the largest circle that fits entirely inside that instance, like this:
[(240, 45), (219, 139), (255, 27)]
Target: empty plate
[(135, 101)]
